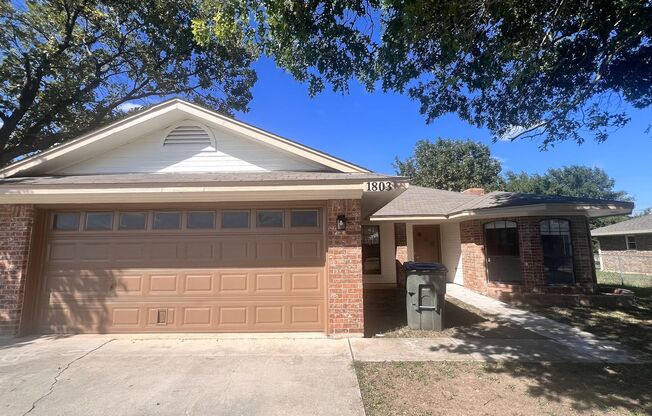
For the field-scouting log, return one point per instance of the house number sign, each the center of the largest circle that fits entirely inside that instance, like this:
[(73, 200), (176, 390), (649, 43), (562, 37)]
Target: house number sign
[(380, 186)]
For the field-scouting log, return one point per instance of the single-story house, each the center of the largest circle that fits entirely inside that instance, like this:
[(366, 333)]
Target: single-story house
[(626, 247), (179, 219)]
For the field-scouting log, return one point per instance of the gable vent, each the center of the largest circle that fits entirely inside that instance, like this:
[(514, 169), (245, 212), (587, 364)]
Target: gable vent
[(188, 135)]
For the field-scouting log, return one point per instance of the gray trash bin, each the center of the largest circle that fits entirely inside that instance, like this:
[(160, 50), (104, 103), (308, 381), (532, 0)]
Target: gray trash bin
[(425, 298)]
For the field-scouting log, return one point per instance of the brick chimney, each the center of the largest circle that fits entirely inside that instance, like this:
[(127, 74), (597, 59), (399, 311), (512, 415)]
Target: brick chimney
[(474, 191)]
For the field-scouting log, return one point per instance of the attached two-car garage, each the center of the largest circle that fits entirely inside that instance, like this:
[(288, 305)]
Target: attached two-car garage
[(169, 269)]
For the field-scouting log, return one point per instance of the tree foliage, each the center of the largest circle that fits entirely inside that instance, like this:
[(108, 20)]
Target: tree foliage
[(576, 181), (557, 70), (68, 65), (452, 165)]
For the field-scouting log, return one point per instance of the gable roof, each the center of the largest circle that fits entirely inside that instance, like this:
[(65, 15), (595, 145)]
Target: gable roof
[(426, 203), (637, 225), (116, 134)]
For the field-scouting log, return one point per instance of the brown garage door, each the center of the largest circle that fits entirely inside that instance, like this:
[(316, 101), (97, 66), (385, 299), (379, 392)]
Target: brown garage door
[(236, 270)]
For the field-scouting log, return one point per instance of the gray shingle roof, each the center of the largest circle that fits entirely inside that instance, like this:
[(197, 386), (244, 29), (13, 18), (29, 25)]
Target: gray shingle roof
[(637, 225), (418, 201), (193, 179)]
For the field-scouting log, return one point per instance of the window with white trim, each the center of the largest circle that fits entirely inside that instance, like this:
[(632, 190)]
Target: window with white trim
[(631, 242)]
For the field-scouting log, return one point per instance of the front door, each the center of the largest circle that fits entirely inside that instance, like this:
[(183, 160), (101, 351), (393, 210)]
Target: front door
[(427, 244)]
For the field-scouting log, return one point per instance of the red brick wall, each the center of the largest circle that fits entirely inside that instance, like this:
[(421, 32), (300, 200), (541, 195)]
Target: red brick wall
[(345, 292), (16, 222), (532, 272), (401, 251)]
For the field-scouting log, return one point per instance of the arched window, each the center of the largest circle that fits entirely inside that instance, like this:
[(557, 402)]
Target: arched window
[(502, 251), (557, 248)]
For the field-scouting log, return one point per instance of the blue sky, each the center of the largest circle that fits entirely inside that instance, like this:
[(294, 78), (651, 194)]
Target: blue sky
[(370, 129)]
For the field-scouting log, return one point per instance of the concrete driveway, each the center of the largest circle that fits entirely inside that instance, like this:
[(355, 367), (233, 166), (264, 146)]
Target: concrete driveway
[(170, 375)]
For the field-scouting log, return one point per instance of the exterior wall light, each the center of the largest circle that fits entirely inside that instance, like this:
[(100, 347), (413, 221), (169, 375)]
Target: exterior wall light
[(340, 223)]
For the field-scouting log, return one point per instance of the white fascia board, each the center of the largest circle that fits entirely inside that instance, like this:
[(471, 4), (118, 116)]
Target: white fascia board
[(179, 194), (623, 233), (544, 210), (408, 218), (519, 211)]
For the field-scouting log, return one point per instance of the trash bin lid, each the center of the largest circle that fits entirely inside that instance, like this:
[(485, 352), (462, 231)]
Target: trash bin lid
[(437, 267)]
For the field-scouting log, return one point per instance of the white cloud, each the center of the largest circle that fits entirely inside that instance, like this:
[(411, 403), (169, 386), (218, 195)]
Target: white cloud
[(125, 107)]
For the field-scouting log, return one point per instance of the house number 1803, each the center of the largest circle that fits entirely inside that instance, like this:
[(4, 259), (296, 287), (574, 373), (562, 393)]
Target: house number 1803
[(380, 186)]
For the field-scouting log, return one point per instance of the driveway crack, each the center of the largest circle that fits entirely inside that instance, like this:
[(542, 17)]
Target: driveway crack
[(61, 371)]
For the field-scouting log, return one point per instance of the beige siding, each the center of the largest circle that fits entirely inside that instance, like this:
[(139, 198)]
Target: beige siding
[(451, 251), (232, 153)]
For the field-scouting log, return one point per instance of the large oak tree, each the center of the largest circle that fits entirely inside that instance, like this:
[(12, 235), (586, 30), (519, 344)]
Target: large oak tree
[(555, 70), (68, 65)]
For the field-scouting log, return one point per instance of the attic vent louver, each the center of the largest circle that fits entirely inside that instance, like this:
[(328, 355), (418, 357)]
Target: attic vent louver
[(187, 135)]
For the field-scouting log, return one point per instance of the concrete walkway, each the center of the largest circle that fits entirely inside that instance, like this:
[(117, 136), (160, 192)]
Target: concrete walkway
[(467, 349), (582, 343), (178, 375)]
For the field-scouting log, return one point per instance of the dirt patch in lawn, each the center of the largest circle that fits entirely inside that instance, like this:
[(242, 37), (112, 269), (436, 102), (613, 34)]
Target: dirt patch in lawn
[(385, 316), (472, 388)]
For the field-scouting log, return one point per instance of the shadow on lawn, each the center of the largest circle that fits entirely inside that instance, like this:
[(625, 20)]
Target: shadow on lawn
[(590, 387), (385, 313), (629, 325), (385, 316)]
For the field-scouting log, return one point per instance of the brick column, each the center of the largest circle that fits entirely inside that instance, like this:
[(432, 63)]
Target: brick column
[(16, 222), (473, 256), (531, 252), (401, 251), (345, 292), (583, 261)]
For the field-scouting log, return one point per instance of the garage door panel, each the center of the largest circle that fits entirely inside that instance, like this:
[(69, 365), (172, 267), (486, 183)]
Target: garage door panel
[(232, 316), (233, 283), (184, 281)]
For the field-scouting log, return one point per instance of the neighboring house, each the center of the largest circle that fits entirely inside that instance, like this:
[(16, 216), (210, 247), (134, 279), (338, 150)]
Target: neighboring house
[(178, 219), (626, 246)]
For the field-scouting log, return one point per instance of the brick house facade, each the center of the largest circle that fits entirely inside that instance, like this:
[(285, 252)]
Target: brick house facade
[(345, 291), (531, 255), (616, 257), (277, 264), (16, 223)]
